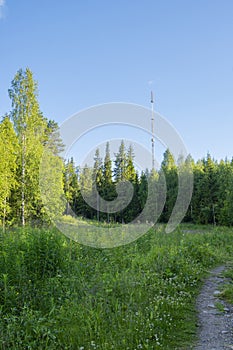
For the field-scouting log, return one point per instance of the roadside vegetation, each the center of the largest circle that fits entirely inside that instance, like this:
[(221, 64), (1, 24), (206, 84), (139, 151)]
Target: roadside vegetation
[(227, 289), (58, 294)]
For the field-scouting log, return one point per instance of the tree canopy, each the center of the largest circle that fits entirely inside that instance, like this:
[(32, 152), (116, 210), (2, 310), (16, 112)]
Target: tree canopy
[(31, 193)]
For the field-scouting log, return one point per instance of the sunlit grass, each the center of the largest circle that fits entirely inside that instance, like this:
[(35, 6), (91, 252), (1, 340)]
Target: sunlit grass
[(58, 294)]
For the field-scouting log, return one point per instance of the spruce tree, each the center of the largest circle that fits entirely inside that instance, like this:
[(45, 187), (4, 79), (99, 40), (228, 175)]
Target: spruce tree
[(97, 181), (169, 169), (71, 186), (108, 187), (85, 183), (120, 163)]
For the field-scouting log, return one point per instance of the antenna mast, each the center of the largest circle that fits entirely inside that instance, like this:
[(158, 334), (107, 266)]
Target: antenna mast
[(152, 131)]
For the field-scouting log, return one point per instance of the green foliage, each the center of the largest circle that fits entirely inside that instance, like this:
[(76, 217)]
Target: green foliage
[(37, 186), (227, 290), (108, 190), (169, 169), (29, 126), (55, 293), (8, 167), (24, 141), (120, 163), (51, 186)]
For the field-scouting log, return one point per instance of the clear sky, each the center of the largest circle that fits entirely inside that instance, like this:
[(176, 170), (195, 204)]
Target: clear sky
[(85, 52)]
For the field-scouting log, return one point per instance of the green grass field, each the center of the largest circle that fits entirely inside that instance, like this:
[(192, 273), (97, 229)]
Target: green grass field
[(58, 294)]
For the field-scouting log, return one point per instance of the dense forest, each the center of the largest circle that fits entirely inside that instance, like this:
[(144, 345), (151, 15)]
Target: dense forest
[(25, 133)]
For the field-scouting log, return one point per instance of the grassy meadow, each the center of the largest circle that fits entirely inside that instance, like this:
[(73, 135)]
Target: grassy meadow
[(58, 294)]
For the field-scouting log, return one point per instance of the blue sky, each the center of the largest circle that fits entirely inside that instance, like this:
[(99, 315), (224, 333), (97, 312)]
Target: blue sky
[(88, 52)]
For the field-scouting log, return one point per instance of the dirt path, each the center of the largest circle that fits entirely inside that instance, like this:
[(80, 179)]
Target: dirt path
[(216, 327)]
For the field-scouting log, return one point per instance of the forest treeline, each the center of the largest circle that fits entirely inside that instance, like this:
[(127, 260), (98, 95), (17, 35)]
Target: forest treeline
[(25, 133)]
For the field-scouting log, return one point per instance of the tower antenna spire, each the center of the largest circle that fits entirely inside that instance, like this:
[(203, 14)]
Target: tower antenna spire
[(152, 130)]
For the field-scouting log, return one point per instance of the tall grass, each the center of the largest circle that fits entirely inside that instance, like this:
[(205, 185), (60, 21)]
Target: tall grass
[(57, 294)]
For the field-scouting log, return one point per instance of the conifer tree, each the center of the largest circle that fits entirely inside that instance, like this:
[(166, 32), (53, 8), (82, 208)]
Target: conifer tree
[(71, 186), (169, 169), (225, 193), (206, 192), (108, 188), (97, 181), (133, 208), (85, 183), (120, 163)]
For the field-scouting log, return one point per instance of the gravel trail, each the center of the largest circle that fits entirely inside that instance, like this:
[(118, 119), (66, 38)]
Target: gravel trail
[(215, 327)]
